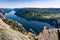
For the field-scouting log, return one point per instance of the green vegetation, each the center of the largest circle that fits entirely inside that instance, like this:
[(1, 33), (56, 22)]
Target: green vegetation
[(15, 25), (37, 13), (48, 15)]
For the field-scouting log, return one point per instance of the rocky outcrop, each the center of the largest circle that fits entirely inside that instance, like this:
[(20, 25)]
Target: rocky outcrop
[(50, 34), (6, 33)]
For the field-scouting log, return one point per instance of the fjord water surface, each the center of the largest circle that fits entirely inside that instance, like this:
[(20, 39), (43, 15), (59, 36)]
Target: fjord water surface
[(33, 26)]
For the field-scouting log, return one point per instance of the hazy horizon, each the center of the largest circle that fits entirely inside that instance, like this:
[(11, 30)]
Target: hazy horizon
[(29, 3)]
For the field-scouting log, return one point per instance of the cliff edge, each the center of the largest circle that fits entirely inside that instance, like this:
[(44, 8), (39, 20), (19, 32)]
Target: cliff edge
[(50, 34), (6, 33)]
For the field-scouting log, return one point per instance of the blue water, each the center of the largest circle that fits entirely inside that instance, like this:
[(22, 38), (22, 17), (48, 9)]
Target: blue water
[(35, 26)]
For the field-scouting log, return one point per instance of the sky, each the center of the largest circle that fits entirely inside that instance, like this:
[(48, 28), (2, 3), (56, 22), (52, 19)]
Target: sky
[(29, 3)]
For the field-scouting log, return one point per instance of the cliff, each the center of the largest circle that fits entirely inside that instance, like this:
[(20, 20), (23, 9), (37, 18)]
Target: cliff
[(15, 25), (6, 33), (50, 34)]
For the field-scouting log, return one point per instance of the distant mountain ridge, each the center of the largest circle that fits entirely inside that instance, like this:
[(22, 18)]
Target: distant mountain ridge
[(48, 15)]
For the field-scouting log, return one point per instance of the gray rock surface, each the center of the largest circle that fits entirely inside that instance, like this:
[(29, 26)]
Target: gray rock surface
[(6, 33), (49, 34)]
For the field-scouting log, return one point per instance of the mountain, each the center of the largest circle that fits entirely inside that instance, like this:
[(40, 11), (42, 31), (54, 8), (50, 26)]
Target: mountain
[(48, 15), (37, 13)]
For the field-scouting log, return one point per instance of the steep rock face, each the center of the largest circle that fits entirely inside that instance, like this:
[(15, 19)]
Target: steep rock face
[(15, 25), (49, 34), (6, 33)]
